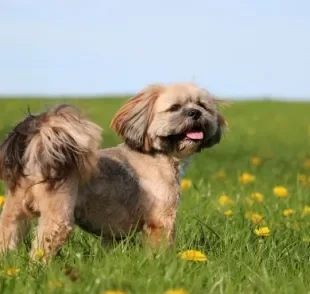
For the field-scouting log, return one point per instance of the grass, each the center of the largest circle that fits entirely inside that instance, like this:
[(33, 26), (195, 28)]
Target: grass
[(239, 261)]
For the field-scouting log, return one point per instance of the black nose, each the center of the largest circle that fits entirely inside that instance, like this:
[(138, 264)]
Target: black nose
[(194, 113)]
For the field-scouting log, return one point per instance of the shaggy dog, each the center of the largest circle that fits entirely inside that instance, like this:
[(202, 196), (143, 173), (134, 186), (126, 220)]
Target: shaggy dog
[(54, 169)]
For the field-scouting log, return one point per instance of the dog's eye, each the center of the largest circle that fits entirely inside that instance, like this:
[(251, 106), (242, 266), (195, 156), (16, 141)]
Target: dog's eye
[(201, 105), (175, 107)]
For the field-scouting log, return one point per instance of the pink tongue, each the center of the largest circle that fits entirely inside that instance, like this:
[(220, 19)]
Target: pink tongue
[(195, 135)]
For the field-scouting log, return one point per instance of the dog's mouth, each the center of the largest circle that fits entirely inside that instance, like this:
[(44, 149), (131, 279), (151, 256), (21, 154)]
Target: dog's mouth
[(194, 135), (191, 136)]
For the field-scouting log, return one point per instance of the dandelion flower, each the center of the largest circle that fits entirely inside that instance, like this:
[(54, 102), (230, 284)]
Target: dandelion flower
[(258, 197), (114, 292), (306, 210), (186, 184), (228, 212), (2, 200), (280, 191), (288, 212), (12, 271), (221, 175), (39, 253), (193, 255), (307, 163), (256, 218), (256, 160), (225, 200), (262, 232), (176, 291), (246, 178)]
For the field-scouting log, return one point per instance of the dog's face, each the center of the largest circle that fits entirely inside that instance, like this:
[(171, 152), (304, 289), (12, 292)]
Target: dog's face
[(177, 120)]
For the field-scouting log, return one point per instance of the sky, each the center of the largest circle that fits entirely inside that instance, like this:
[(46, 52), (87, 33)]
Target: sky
[(233, 48)]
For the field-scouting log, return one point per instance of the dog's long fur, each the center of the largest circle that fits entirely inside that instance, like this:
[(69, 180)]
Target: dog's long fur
[(40, 155), (49, 163), (53, 145)]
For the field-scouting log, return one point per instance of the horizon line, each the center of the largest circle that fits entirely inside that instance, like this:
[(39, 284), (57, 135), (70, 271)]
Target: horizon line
[(126, 95)]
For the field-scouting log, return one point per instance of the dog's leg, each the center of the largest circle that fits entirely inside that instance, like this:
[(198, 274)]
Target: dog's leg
[(14, 224), (159, 233), (55, 223), (171, 235)]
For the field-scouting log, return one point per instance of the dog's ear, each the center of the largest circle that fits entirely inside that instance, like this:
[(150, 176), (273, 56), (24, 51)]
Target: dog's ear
[(216, 138), (131, 122)]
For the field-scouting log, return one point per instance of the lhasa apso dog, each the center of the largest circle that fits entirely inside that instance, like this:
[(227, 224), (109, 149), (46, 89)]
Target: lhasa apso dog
[(54, 169)]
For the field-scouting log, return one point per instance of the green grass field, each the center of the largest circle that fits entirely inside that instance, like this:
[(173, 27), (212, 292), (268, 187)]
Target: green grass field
[(239, 261)]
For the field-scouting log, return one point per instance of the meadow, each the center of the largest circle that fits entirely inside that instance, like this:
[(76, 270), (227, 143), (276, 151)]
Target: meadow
[(245, 209)]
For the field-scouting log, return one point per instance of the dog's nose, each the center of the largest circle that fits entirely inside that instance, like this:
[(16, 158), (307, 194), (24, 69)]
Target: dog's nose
[(194, 113)]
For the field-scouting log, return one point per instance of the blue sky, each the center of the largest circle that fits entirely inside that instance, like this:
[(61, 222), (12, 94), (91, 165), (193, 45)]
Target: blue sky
[(233, 48)]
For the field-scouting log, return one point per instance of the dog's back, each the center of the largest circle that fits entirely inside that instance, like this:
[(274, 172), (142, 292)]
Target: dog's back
[(53, 145)]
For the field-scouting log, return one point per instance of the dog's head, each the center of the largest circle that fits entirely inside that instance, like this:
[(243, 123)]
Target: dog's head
[(178, 120)]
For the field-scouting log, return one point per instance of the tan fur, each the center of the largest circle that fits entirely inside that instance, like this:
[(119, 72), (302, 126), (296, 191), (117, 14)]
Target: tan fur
[(42, 161), (56, 219), (138, 188), (137, 185), (14, 223), (133, 115), (63, 133)]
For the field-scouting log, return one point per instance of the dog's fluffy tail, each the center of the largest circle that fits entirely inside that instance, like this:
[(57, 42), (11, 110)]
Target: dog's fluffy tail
[(54, 145)]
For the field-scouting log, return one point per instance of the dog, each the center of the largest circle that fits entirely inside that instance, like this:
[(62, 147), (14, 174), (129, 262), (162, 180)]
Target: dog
[(54, 168)]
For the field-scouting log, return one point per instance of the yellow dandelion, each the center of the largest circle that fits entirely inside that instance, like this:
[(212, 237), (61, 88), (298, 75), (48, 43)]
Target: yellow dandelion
[(176, 291), (307, 163), (186, 184), (12, 271), (39, 253), (262, 232), (306, 210), (221, 175), (228, 212), (193, 255), (2, 200), (246, 178), (256, 160), (288, 212), (225, 200), (114, 292), (280, 191), (256, 218), (258, 197)]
